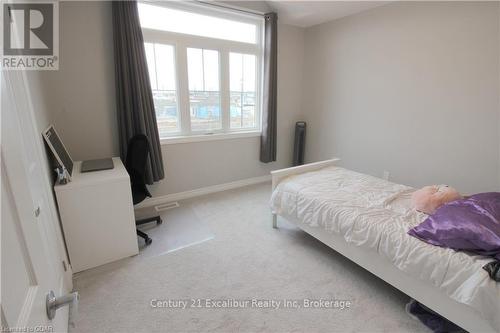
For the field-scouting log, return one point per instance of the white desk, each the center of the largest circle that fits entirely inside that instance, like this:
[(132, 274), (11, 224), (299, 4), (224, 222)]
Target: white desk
[(97, 216)]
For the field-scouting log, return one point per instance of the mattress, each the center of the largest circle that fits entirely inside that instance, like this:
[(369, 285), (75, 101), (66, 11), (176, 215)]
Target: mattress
[(376, 214)]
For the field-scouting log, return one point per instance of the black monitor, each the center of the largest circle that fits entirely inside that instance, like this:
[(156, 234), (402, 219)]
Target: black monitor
[(58, 150)]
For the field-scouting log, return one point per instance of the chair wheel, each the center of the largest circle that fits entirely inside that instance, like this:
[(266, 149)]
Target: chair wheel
[(148, 241)]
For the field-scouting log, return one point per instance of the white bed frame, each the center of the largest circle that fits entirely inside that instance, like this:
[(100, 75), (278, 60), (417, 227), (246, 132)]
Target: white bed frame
[(425, 293)]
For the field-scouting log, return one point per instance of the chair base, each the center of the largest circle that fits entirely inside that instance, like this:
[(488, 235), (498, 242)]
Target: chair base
[(143, 235), (156, 219)]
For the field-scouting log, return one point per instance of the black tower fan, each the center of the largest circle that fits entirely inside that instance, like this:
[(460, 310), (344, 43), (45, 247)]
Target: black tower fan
[(299, 145)]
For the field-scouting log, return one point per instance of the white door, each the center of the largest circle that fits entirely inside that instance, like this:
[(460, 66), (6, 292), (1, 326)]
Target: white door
[(31, 259)]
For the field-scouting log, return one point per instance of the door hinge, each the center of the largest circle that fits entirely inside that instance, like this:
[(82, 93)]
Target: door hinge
[(64, 266)]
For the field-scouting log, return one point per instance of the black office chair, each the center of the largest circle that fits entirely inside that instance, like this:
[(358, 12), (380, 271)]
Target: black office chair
[(137, 155)]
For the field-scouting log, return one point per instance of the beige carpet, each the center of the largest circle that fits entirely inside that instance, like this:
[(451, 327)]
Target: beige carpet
[(246, 259), (182, 228)]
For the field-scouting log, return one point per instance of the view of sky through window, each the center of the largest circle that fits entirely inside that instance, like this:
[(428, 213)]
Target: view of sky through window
[(242, 73), (161, 65), (181, 21), (204, 91)]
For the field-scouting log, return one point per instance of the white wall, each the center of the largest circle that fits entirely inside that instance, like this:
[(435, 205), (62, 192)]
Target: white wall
[(81, 97), (410, 87), (498, 95)]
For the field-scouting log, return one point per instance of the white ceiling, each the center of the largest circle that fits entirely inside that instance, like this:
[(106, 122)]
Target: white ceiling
[(309, 13)]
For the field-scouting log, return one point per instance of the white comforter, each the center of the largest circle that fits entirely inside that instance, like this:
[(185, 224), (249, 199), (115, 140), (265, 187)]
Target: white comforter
[(377, 214)]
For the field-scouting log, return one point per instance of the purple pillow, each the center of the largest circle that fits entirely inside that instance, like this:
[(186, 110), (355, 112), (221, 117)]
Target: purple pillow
[(471, 224)]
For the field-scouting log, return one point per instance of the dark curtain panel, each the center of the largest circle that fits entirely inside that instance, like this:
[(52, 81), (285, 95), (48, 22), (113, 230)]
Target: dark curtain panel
[(269, 109), (135, 108)]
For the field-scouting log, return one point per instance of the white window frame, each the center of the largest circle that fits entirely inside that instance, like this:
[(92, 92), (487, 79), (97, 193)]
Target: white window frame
[(181, 42)]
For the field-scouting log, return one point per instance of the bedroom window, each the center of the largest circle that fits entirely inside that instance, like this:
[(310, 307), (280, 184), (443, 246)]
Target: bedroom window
[(243, 88), (205, 67), (161, 65), (204, 89)]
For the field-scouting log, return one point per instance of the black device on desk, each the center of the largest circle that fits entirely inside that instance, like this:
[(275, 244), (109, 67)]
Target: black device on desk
[(64, 159), (96, 165)]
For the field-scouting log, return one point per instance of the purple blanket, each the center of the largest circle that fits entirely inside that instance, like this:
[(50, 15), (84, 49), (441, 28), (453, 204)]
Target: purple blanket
[(470, 224)]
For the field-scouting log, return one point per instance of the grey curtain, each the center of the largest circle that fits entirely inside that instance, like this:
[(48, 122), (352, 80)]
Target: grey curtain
[(135, 108), (269, 111)]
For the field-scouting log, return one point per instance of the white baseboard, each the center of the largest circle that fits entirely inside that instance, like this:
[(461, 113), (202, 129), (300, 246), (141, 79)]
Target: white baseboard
[(154, 201)]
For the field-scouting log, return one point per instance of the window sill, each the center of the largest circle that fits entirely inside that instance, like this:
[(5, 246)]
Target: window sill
[(208, 137)]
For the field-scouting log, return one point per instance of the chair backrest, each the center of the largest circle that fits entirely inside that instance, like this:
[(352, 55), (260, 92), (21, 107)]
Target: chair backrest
[(137, 156)]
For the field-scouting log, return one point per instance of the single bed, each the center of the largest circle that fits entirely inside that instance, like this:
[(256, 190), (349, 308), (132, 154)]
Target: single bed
[(366, 219)]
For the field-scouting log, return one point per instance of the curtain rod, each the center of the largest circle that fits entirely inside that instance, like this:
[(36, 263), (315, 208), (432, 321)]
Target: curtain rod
[(227, 6)]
